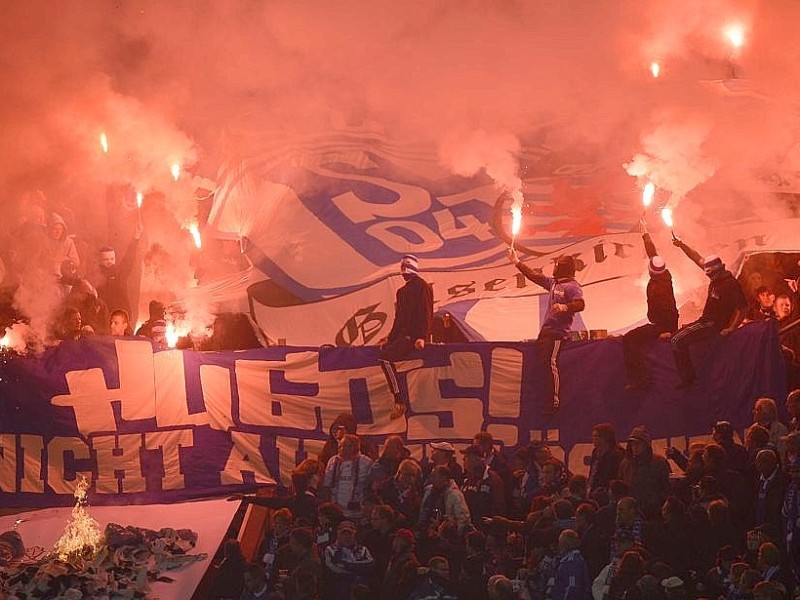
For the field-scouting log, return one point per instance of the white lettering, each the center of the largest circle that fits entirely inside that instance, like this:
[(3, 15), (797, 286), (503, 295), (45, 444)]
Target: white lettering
[(119, 463)]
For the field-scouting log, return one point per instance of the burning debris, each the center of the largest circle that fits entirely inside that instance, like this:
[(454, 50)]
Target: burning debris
[(119, 562)]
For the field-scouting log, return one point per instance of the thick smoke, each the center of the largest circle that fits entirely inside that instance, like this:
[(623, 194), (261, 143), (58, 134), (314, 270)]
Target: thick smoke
[(172, 83)]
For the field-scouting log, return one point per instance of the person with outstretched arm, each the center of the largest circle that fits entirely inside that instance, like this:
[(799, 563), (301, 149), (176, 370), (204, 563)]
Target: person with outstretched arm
[(564, 301), (724, 311), (662, 315)]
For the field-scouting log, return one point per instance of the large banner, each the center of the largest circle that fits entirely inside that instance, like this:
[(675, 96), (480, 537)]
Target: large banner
[(325, 219), (166, 426)]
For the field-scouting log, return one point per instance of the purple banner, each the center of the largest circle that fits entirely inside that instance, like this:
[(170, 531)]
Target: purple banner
[(159, 427)]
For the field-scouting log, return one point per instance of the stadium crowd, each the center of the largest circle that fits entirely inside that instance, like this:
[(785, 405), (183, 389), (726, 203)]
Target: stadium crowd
[(720, 520)]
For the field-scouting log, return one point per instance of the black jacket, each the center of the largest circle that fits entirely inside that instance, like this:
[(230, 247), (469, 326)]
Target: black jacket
[(725, 297), (603, 469), (661, 309), (113, 285), (413, 311)]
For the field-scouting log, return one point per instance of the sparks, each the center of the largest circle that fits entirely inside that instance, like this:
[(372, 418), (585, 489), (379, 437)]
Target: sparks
[(195, 231), (139, 199), (735, 35), (648, 193), (176, 171), (666, 216), (104, 142), (655, 69), (172, 335)]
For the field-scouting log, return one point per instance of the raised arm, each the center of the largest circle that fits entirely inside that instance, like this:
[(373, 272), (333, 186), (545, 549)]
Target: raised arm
[(534, 275), (688, 251), (649, 246)]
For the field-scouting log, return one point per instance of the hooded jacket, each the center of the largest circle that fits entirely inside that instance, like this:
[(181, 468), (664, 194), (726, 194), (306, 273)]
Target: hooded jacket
[(61, 249), (647, 475), (661, 308)]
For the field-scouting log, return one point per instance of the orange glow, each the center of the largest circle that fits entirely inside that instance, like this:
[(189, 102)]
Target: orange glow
[(647, 193), (655, 69), (195, 231), (666, 216), (516, 220), (735, 35)]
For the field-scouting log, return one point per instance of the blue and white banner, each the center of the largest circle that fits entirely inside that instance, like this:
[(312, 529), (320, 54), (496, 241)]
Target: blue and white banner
[(160, 427), (327, 218)]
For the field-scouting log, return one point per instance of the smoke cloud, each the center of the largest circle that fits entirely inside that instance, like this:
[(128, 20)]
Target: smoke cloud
[(174, 83)]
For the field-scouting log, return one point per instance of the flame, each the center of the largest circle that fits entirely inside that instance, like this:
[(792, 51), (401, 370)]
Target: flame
[(139, 199), (15, 338), (82, 536), (655, 69), (195, 231), (516, 211), (516, 220), (666, 216), (735, 34), (104, 142), (175, 331), (172, 336), (176, 171), (647, 194)]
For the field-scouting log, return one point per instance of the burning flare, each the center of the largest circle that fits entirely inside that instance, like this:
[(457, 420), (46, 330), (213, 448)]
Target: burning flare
[(104, 142), (516, 220), (172, 336), (82, 536), (735, 34), (655, 69), (195, 231), (648, 193), (176, 171), (516, 213), (666, 216), (139, 199)]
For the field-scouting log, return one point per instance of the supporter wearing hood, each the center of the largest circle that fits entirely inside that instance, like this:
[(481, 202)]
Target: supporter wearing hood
[(662, 316), (60, 245), (343, 424), (645, 473), (724, 311)]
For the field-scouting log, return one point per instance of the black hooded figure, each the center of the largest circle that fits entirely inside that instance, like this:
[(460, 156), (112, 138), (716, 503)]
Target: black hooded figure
[(662, 316), (724, 311), (411, 330)]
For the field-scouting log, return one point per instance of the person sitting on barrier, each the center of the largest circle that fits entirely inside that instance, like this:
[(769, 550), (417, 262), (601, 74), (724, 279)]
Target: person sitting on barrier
[(411, 330), (564, 301), (724, 311), (662, 314)]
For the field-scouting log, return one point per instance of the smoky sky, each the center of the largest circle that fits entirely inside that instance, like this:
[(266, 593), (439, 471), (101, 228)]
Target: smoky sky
[(167, 81)]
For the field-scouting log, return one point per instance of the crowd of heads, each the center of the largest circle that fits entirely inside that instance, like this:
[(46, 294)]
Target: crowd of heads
[(718, 519), (62, 284)]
